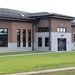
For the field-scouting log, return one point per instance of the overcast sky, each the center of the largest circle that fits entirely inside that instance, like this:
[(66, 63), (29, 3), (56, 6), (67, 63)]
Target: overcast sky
[(66, 7)]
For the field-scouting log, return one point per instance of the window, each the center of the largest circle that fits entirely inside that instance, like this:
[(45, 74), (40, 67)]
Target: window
[(39, 41), (46, 41), (61, 30), (24, 38), (74, 38), (29, 38), (3, 37), (64, 29), (43, 29), (18, 37), (58, 30)]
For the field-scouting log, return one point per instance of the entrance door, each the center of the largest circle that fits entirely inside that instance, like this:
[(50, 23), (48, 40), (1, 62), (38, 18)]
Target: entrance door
[(61, 44)]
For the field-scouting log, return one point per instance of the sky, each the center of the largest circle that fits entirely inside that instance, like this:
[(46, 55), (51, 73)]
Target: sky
[(65, 7)]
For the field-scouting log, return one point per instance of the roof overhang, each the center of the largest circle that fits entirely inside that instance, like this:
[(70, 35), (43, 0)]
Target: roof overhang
[(53, 16), (29, 20)]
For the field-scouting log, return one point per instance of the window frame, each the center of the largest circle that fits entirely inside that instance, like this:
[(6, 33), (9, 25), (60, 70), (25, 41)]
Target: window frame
[(43, 29), (61, 29), (29, 37), (47, 42), (6, 45), (24, 37), (39, 44), (19, 43), (74, 38)]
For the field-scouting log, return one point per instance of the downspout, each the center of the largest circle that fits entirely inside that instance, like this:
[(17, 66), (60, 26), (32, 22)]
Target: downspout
[(33, 37)]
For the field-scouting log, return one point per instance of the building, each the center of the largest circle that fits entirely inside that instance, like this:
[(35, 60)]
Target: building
[(23, 31)]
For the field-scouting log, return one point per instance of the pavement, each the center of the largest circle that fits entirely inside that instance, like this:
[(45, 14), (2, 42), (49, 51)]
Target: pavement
[(12, 55), (43, 71)]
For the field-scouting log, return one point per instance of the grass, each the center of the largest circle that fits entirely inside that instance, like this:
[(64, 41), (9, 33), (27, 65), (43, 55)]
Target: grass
[(36, 62), (27, 52), (69, 72), (12, 53)]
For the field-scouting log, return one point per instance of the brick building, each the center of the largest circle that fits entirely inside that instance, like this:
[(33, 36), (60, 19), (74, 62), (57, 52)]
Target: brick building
[(23, 31)]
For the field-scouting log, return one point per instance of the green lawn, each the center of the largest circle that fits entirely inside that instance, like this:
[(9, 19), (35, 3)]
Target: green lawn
[(27, 52), (12, 53), (69, 72), (36, 62)]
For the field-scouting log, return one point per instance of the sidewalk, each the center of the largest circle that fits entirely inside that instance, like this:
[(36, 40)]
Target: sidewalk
[(43, 71)]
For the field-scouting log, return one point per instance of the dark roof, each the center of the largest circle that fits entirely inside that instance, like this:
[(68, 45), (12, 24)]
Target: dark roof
[(9, 14), (37, 14), (12, 13), (49, 15), (60, 16)]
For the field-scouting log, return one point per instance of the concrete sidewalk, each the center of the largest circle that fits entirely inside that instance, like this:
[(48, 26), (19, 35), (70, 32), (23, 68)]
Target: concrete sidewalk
[(43, 71), (12, 55)]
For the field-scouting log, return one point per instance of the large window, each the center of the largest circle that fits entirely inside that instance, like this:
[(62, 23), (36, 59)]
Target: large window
[(43, 29), (3, 37), (46, 41), (18, 37), (61, 30), (74, 37), (40, 41), (29, 38), (24, 38)]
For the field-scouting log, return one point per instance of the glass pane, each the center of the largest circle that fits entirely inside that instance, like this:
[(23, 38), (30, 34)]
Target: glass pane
[(39, 41), (47, 41), (61, 29), (58, 30), (29, 38), (24, 37), (43, 29), (3, 38), (18, 38)]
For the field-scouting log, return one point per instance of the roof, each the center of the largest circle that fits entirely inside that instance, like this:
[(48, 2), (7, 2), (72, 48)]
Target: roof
[(9, 14), (49, 15), (60, 16), (37, 14)]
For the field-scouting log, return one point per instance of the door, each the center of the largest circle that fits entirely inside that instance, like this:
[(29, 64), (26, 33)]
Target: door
[(61, 44)]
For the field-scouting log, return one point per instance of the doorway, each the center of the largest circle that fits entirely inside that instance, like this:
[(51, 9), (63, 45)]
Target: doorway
[(61, 44)]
